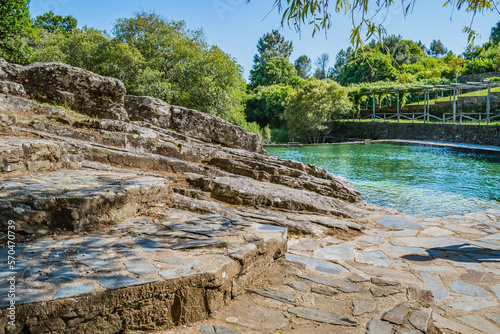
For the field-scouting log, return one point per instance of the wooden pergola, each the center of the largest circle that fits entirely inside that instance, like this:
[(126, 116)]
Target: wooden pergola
[(426, 89)]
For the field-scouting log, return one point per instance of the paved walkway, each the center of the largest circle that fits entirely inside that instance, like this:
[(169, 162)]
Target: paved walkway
[(377, 282)]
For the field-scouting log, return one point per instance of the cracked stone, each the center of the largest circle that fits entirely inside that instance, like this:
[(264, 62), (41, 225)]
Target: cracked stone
[(436, 231), (363, 306), (276, 295), (334, 283), (397, 314), (420, 319), (317, 315)]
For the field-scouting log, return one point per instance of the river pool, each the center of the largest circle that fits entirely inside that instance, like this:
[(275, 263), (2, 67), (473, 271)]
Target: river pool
[(421, 180)]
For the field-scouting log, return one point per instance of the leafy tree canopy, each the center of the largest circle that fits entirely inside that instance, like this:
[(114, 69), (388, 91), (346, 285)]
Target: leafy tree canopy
[(277, 70), (51, 22), (15, 24), (303, 66), (437, 48), (495, 34), (314, 106), (272, 45), (372, 66)]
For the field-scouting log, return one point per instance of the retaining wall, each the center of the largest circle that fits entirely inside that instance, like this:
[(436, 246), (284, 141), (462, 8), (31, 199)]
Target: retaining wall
[(470, 134)]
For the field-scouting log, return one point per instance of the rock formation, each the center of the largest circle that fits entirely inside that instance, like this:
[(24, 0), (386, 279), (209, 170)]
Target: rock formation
[(90, 174)]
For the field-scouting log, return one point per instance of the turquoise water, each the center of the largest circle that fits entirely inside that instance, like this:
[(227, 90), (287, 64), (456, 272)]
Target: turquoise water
[(424, 181)]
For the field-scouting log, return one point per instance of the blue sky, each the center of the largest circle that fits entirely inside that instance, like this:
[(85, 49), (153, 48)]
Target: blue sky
[(236, 26)]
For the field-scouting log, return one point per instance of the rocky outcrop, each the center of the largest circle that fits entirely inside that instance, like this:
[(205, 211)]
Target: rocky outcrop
[(150, 215), (148, 109), (192, 123), (79, 200), (81, 90), (20, 156), (246, 191)]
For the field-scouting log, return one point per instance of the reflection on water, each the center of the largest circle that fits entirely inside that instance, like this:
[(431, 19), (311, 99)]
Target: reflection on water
[(424, 181)]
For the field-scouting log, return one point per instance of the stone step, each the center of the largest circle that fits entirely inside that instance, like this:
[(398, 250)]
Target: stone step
[(76, 200), (132, 279), (20, 155)]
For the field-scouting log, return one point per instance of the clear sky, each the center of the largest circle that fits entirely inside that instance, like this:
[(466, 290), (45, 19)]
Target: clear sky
[(236, 26)]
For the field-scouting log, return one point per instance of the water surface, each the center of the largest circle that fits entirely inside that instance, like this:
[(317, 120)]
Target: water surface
[(424, 181)]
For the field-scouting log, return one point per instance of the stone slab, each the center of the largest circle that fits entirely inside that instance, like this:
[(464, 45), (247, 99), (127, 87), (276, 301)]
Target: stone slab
[(469, 304), (468, 289), (259, 318), (494, 316), (335, 253), (120, 281), (148, 244), (376, 326), (276, 295), (140, 267), (421, 318), (323, 266), (317, 315), (434, 283), (300, 286), (376, 258), (331, 282), (197, 243), (479, 323), (398, 222), (190, 268), (362, 306), (75, 290), (397, 314)]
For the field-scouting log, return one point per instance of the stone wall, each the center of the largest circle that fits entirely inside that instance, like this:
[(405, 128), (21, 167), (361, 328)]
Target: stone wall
[(471, 134), (477, 77)]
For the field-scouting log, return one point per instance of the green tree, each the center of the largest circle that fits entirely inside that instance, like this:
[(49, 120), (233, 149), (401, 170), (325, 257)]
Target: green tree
[(495, 34), (312, 108), (401, 51), (303, 66), (51, 22), (437, 49), (342, 58), (373, 66), (15, 24), (321, 66), (267, 104), (272, 45), (158, 58), (277, 70)]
